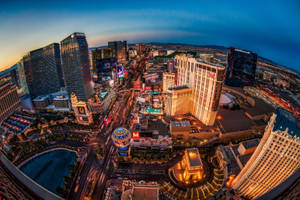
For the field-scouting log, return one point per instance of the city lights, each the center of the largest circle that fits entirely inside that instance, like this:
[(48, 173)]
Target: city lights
[(150, 102)]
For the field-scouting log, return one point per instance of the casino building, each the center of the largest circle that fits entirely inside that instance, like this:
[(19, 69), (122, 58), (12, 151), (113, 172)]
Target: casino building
[(190, 169), (76, 66), (82, 113), (275, 159), (9, 99), (205, 80)]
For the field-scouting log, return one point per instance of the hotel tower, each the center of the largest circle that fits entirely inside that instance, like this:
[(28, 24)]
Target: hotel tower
[(206, 80), (276, 158), (76, 66)]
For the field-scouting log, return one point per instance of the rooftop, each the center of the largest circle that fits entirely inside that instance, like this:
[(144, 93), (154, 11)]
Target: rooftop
[(193, 157), (286, 120), (229, 119), (180, 123), (158, 125), (248, 144), (176, 88), (149, 192)]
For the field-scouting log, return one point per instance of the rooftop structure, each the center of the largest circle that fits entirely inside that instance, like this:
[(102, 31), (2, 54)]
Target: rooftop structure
[(193, 157), (155, 135), (190, 170), (140, 191), (236, 156)]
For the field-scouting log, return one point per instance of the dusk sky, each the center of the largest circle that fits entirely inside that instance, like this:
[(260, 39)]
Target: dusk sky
[(270, 28)]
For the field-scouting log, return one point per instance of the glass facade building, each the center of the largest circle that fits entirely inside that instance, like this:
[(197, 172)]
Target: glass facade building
[(9, 99), (42, 69), (76, 66), (241, 67), (119, 49)]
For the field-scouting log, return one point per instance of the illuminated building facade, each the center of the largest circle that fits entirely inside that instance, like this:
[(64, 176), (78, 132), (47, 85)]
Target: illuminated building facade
[(141, 48), (190, 169), (171, 65), (168, 80), (206, 80), (152, 134), (98, 55), (119, 49), (241, 67), (9, 99), (76, 66), (43, 71), (178, 100), (192, 164), (274, 160), (82, 113)]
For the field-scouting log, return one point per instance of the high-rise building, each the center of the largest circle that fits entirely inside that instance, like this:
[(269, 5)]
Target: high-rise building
[(241, 67), (178, 100), (76, 66), (42, 69), (23, 88), (98, 55), (119, 49), (9, 99), (103, 62), (140, 48), (168, 80), (171, 65), (206, 80), (276, 157)]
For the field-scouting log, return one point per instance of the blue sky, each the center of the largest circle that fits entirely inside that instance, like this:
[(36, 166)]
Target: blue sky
[(269, 28)]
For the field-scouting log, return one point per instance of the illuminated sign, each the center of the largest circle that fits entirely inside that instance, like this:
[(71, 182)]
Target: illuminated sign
[(81, 110), (135, 134)]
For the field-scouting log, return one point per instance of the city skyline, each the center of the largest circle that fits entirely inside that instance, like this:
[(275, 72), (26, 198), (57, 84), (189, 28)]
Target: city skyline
[(244, 25), (149, 100)]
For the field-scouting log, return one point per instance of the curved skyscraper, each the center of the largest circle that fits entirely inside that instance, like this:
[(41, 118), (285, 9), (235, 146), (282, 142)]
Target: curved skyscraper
[(42, 69), (76, 66), (276, 157)]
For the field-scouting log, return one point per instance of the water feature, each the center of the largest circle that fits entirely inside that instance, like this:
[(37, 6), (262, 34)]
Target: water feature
[(49, 169)]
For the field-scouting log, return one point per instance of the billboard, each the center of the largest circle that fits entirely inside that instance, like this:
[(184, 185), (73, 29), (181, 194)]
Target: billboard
[(105, 65), (120, 71)]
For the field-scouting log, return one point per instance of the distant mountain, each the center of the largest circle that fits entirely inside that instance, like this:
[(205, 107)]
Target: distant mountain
[(99, 47), (215, 47)]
